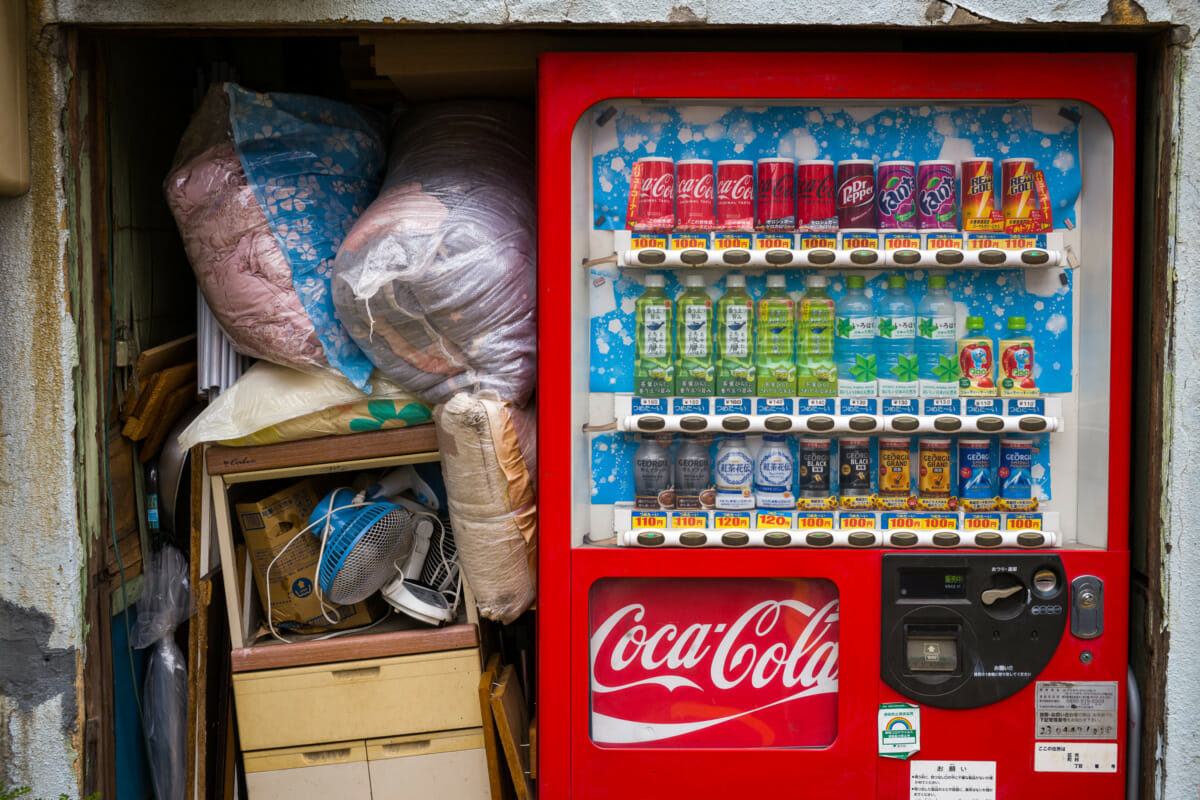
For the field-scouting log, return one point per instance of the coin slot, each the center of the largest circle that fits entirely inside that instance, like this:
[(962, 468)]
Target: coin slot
[(819, 538), (651, 423), (735, 538), (693, 423), (779, 257), (988, 539), (948, 257), (652, 257), (777, 539), (906, 257), (992, 258), (821, 423), (693, 538), (945, 539), (904, 539), (947, 424), (778, 423), (861, 539), (863, 423), (906, 424), (650, 539), (1032, 424), (863, 257), (1035, 258), (736, 257), (821, 257), (990, 424), (693, 257), (1031, 539), (735, 424)]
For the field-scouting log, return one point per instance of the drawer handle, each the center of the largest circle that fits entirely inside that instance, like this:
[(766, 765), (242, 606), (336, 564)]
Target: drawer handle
[(326, 756), (407, 748), (362, 673)]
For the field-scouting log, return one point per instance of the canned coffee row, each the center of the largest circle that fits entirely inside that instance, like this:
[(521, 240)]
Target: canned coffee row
[(823, 196), (849, 472)]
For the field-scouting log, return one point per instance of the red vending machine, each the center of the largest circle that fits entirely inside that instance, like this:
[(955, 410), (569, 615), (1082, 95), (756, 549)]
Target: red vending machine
[(834, 418)]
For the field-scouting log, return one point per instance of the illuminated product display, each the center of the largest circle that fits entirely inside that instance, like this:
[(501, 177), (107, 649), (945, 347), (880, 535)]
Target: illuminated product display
[(831, 474)]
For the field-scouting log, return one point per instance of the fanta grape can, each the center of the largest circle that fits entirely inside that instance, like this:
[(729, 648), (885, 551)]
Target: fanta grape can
[(897, 195), (937, 209)]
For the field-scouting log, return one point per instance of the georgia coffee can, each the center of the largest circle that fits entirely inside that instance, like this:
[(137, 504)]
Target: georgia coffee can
[(934, 481), (694, 195), (812, 468), (936, 203), (1016, 182), (855, 194), (897, 195), (652, 195), (776, 195), (854, 466), (978, 198), (816, 209), (735, 195)]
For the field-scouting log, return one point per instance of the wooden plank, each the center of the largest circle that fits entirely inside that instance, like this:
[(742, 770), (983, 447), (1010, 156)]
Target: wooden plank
[(359, 465), (229, 570), (533, 749), (173, 407), (498, 779), (222, 460), (512, 720), (276, 655)]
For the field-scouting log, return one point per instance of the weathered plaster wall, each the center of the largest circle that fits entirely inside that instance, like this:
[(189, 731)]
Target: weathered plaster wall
[(40, 554)]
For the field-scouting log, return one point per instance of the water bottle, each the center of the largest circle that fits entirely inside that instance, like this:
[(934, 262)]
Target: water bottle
[(936, 331), (895, 341), (855, 343)]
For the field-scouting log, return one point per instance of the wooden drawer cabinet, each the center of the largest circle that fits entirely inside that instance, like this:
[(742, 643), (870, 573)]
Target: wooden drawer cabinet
[(335, 770)]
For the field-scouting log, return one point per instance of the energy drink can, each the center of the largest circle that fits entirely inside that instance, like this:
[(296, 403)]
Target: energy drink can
[(895, 476), (812, 468), (978, 195), (1019, 196), (975, 485), (933, 482), (1016, 469), (854, 466)]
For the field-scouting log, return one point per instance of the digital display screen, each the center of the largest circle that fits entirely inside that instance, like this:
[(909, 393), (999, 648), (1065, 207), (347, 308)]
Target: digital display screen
[(933, 585)]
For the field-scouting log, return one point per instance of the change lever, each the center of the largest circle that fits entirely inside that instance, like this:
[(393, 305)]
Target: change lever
[(990, 596)]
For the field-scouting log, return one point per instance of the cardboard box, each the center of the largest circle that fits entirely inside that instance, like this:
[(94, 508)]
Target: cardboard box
[(268, 526)]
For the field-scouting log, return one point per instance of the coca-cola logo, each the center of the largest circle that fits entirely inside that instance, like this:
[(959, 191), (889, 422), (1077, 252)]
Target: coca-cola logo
[(856, 192), (700, 187), (779, 186), (933, 197), (740, 188), (682, 656), (660, 187), (819, 188), (893, 197)]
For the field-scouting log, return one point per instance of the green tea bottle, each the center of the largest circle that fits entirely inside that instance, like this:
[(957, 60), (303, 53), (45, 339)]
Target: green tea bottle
[(693, 340), (816, 371), (775, 341), (654, 367), (735, 339)]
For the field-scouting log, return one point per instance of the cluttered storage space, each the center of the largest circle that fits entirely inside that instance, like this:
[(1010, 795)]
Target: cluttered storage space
[(312, 275)]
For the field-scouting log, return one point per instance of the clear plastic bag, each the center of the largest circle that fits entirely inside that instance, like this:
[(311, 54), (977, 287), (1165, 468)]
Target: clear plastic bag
[(165, 603), (264, 188), (436, 280)]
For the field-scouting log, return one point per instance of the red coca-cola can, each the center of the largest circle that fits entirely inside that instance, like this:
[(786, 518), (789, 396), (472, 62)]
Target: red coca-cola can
[(694, 195), (856, 194), (652, 195), (816, 209), (735, 195), (776, 206)]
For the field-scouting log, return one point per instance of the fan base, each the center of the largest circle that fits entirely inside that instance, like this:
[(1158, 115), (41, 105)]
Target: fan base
[(418, 601)]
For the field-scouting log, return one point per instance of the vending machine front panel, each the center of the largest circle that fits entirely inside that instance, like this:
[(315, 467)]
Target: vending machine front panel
[(796, 520)]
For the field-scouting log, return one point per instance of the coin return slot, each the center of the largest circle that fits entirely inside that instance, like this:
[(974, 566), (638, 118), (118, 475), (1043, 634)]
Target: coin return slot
[(822, 257), (651, 257), (906, 257), (778, 424), (947, 424), (819, 538), (992, 258), (862, 423), (1032, 424), (735, 424), (651, 423), (693, 257), (693, 423), (779, 257), (736, 257), (906, 424), (820, 424), (948, 257), (863, 257), (990, 424), (735, 538), (904, 539)]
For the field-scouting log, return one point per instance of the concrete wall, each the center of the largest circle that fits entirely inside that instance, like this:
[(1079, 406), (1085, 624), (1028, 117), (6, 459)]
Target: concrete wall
[(40, 551)]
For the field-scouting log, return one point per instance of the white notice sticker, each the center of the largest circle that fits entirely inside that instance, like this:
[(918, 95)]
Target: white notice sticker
[(1077, 709), (952, 780), (1075, 757)]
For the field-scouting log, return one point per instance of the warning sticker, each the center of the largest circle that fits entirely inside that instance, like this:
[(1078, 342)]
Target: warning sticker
[(1077, 709), (1075, 757), (952, 780)]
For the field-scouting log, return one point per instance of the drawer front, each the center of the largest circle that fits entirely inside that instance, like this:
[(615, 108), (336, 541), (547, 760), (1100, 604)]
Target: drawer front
[(358, 699), (335, 770), (450, 765)]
